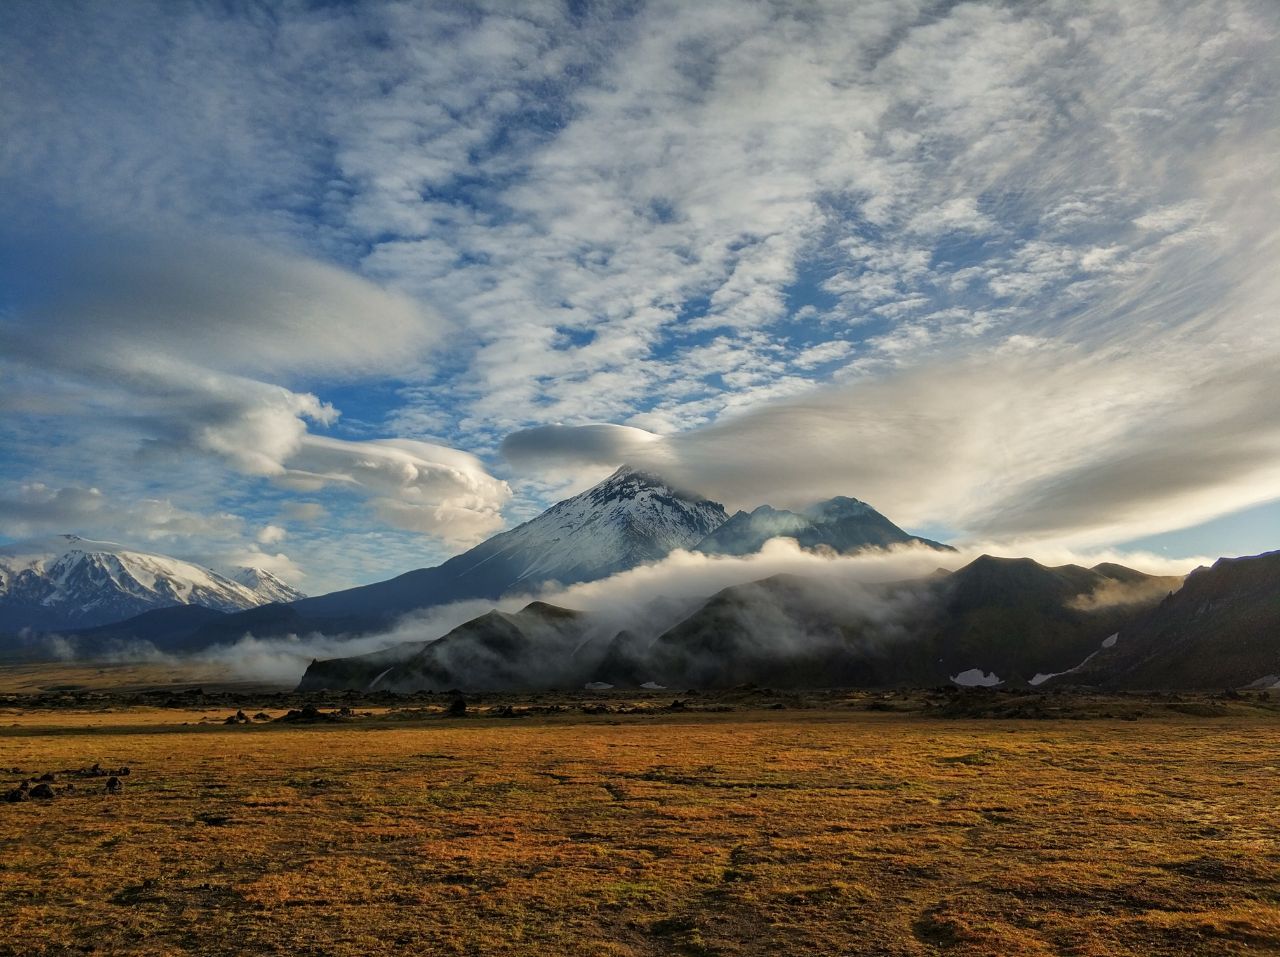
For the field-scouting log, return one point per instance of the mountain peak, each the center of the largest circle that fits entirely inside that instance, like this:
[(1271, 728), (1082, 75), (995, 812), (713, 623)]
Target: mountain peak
[(270, 586), (843, 524), (628, 481), (839, 507), (66, 581)]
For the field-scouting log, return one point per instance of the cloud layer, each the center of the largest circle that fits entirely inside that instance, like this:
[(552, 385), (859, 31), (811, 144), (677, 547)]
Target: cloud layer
[(171, 338), (1004, 268)]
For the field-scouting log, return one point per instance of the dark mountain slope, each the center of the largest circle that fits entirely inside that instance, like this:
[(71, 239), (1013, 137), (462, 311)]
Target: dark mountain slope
[(1010, 617), (526, 650), (1220, 630)]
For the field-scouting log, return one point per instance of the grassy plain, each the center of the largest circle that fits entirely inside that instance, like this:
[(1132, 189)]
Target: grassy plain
[(825, 830)]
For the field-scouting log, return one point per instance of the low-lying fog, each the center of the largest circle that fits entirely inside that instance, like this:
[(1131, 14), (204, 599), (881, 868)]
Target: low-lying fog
[(648, 599)]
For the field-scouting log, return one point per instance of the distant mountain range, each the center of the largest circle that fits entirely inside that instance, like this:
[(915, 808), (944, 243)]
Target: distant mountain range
[(629, 519), (998, 622), (69, 582)]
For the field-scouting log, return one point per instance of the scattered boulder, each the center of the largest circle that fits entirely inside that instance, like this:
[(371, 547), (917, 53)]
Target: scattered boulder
[(262, 716), (310, 714), (16, 795), (114, 785), (42, 792)]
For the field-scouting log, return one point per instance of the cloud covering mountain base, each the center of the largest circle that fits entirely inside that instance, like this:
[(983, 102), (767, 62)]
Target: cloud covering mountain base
[(645, 601)]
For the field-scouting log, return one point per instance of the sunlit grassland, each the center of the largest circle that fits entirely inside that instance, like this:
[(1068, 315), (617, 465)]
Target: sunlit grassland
[(738, 833)]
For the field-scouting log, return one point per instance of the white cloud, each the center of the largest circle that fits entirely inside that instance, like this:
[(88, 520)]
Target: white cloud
[(271, 535), (621, 219), (33, 509), (162, 336), (305, 511), (1041, 442), (226, 304), (412, 485)]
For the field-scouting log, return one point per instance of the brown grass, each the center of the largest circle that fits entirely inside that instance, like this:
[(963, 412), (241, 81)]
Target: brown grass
[(825, 832)]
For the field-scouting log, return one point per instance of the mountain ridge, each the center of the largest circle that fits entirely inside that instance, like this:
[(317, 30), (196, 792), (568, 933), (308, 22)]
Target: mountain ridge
[(842, 524), (71, 582)]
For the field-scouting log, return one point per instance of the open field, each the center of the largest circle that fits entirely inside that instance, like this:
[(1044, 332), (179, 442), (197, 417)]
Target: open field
[(28, 678), (645, 830)]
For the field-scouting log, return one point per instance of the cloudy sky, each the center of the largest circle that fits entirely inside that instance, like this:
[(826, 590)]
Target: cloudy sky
[(342, 289)]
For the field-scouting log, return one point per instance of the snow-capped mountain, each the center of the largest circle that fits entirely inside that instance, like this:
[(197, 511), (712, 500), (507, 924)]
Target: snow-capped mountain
[(628, 519), (71, 582), (265, 585), (840, 523)]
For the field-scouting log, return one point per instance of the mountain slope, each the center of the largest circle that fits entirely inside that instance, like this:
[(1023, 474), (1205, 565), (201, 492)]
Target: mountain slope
[(1220, 630), (1008, 620), (626, 520), (995, 620), (525, 650), (266, 586), (70, 582), (842, 524)]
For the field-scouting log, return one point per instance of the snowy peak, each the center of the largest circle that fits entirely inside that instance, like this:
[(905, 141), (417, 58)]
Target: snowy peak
[(842, 524), (839, 509), (68, 581), (265, 585), (630, 518)]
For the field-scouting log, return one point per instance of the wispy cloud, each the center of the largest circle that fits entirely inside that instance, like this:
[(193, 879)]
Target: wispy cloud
[(1033, 241)]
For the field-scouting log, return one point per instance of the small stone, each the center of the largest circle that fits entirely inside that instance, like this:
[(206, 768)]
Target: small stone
[(114, 785), (42, 792)]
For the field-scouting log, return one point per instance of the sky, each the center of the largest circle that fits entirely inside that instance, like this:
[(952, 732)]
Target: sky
[(341, 289)]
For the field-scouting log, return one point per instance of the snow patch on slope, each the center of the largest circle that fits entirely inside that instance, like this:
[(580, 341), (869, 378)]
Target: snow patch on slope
[(1040, 678), (976, 678)]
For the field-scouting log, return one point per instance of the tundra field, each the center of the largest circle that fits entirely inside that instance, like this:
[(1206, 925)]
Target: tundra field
[(746, 822)]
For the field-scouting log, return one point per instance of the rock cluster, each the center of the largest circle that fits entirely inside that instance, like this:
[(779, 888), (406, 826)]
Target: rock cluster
[(41, 788)]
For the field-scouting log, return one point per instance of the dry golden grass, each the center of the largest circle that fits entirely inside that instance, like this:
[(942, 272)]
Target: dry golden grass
[(34, 677), (740, 833)]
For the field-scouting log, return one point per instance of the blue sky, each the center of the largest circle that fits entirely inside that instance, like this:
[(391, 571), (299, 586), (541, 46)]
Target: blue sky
[(342, 289)]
